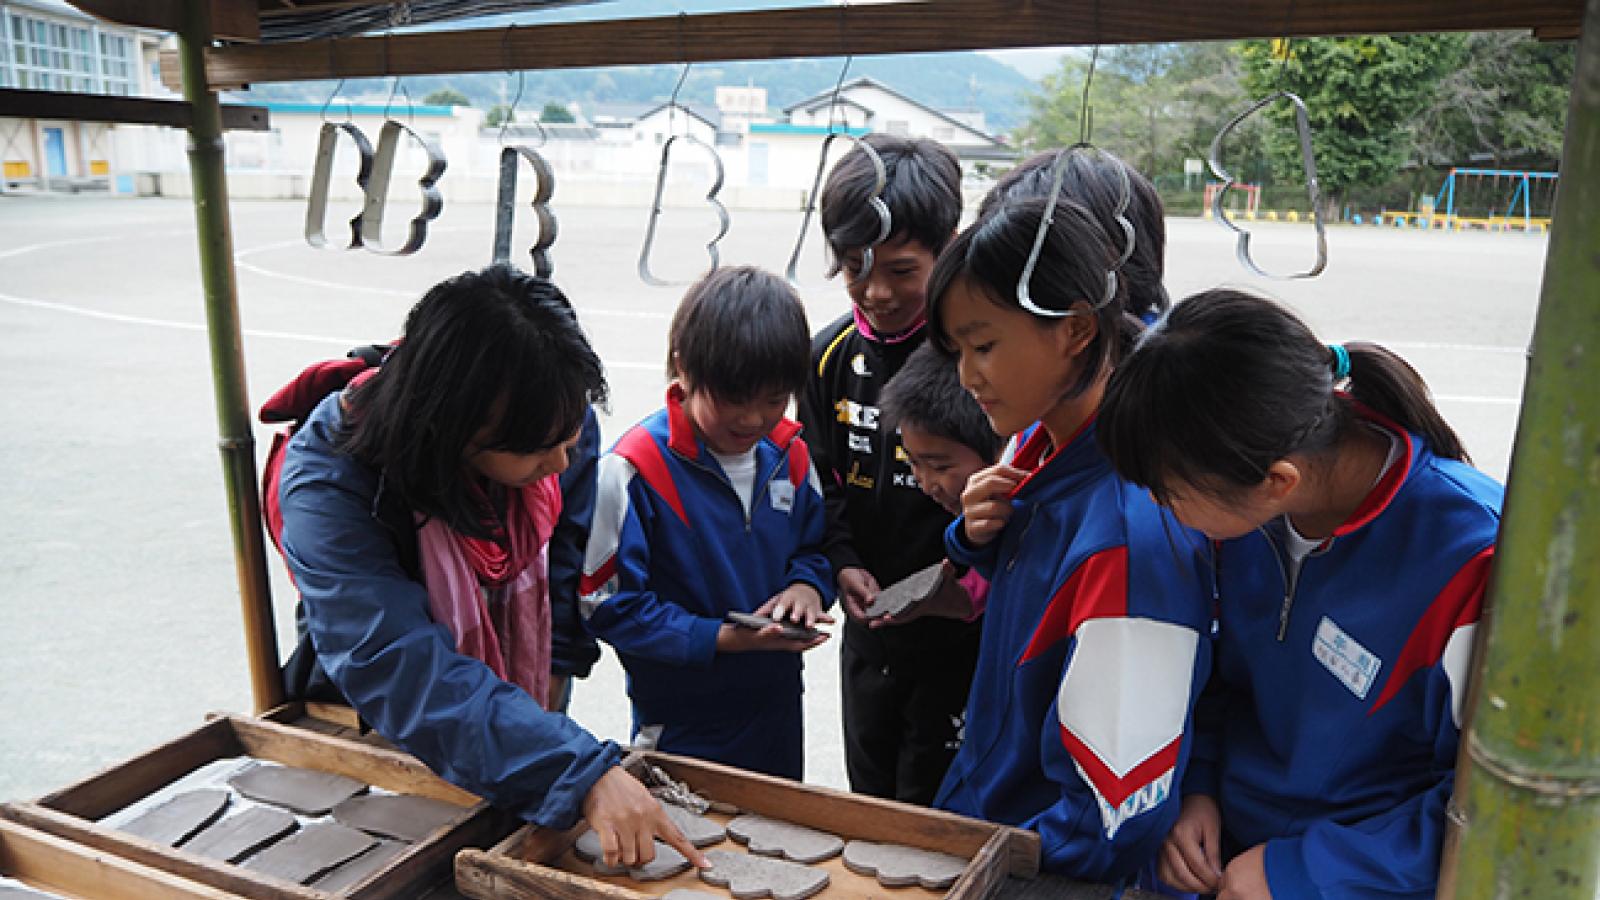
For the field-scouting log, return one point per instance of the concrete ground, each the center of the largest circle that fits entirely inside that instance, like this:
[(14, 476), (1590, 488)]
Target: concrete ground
[(119, 618)]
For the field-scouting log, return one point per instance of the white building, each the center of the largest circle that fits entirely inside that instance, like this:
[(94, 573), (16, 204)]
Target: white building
[(49, 45)]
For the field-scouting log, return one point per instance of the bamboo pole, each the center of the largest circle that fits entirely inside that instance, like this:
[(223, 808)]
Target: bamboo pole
[(227, 357), (1528, 786)]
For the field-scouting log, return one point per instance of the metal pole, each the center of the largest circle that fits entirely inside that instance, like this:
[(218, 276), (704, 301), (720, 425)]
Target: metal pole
[(1528, 783), (227, 357)]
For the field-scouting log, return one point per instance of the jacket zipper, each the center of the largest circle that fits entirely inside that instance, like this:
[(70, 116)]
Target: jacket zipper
[(1289, 584), (722, 479)]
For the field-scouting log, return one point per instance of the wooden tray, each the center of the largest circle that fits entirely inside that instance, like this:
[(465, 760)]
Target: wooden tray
[(72, 812), (539, 863), (48, 863)]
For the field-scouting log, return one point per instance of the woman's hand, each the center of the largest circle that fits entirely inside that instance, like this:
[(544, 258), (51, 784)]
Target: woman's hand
[(986, 503), (628, 819), (1191, 857), (857, 587)]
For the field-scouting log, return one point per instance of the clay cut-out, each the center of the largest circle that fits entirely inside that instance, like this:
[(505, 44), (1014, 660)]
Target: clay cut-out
[(903, 594), (506, 208), (897, 865), (401, 816), (791, 631), (322, 178), (378, 191), (359, 869), (699, 830), (176, 820), (748, 877), (315, 850), (240, 835), (306, 791), (1308, 162), (668, 862), (772, 837)]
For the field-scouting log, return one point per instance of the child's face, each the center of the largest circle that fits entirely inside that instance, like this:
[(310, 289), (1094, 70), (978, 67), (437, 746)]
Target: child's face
[(1223, 517), (894, 294), (733, 428), (941, 465), (520, 469), (1013, 363)]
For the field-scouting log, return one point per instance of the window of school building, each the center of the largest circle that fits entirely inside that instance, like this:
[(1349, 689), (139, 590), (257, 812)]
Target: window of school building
[(50, 55)]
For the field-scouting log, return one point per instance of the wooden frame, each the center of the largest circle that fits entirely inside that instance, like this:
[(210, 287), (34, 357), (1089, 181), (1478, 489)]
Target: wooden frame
[(523, 865), (72, 813), (896, 27), (48, 863)]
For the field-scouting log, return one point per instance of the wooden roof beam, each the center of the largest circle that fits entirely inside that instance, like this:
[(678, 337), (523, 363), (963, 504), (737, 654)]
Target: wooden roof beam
[(868, 29), (32, 104), (232, 20)]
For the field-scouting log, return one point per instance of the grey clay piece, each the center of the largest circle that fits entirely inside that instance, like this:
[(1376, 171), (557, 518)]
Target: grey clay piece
[(897, 865), (176, 820), (404, 817), (359, 869), (242, 834), (772, 837), (306, 791), (900, 596), (668, 862), (748, 877), (701, 831), (315, 850)]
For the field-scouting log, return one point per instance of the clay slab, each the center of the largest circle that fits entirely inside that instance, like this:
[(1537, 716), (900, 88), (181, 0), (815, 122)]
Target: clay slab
[(749, 876), (7, 892), (178, 819), (914, 588), (772, 837), (668, 862), (318, 848), (240, 835), (898, 866), (306, 791), (701, 831), (790, 630), (357, 870), (400, 816)]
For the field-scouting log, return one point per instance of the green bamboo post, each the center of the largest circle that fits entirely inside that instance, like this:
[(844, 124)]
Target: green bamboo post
[(227, 356), (1528, 789)]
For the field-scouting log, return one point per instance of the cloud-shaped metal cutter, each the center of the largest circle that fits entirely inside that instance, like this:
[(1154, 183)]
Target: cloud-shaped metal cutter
[(881, 181), (506, 208), (1313, 190), (378, 191), (322, 176), (645, 272), (1119, 212)]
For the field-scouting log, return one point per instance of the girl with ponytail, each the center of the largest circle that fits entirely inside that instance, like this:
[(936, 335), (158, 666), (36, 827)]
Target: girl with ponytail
[(1352, 550)]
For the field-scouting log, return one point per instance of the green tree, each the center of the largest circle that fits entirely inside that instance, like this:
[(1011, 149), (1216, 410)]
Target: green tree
[(446, 97), (1362, 95), (497, 116), (1507, 100), (556, 113)]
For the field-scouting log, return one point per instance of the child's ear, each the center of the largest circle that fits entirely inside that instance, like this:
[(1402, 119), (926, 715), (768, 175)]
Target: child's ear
[(1077, 329), (1282, 478)]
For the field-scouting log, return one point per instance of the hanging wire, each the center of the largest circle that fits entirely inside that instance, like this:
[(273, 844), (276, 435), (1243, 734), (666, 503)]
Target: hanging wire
[(838, 85), (511, 111), (1085, 111)]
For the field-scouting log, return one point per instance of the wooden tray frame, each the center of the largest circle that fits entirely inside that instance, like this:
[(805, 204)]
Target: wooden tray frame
[(48, 863), (520, 866), (72, 812)]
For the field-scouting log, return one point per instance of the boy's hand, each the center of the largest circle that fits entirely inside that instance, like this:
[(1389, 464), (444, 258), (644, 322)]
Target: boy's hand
[(986, 503), (949, 600), (798, 603), (1246, 876), (1191, 857), (629, 818), (733, 638), (857, 587)]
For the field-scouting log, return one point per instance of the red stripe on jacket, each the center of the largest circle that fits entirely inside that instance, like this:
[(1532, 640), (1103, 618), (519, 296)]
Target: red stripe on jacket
[(1459, 604), (1098, 589)]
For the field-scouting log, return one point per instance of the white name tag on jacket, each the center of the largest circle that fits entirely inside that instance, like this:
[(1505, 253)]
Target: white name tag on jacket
[(782, 494), (1354, 666)]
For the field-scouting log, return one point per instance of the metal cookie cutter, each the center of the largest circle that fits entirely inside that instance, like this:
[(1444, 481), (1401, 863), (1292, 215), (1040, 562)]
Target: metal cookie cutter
[(506, 208), (1119, 212), (378, 191), (645, 272), (881, 181), (322, 175), (1313, 191)]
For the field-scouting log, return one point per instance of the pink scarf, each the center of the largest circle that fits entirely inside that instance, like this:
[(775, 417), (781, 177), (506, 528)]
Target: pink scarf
[(506, 626)]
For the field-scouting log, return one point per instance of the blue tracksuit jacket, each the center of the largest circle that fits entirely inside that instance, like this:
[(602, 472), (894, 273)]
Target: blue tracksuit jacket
[(1338, 736), (1095, 646), (369, 622), (672, 552)]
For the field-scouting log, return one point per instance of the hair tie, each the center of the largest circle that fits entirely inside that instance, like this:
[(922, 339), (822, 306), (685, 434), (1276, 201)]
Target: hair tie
[(1341, 362)]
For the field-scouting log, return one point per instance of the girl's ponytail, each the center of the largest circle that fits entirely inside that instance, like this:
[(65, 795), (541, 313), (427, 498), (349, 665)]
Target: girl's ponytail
[(1381, 380)]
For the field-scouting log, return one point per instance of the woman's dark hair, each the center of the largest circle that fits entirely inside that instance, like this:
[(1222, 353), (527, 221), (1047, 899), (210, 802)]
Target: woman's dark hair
[(496, 348), (1229, 383), (1092, 179), (739, 333), (927, 394), (1073, 263), (923, 193)]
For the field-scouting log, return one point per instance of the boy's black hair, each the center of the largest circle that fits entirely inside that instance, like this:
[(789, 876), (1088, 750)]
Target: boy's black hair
[(927, 393), (496, 348), (1092, 180), (923, 193), (739, 333), (1229, 383), (992, 252)]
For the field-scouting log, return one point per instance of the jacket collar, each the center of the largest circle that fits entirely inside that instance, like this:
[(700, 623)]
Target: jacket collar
[(1382, 493), (865, 327), (1036, 455), (681, 437)]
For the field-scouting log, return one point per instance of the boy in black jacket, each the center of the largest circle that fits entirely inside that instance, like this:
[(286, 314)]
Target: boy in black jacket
[(905, 686)]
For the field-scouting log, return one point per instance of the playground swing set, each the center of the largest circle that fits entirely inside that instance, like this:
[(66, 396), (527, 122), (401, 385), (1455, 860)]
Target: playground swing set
[(1525, 818)]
